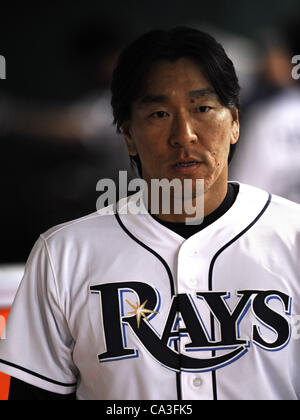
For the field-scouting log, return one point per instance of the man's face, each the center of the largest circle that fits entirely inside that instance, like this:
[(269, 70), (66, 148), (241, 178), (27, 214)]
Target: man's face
[(179, 128)]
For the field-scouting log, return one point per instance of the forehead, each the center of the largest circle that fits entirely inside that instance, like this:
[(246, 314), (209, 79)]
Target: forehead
[(184, 72), (183, 76)]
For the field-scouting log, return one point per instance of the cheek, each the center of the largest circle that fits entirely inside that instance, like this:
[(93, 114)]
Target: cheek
[(218, 140), (149, 142), (149, 149), (217, 146)]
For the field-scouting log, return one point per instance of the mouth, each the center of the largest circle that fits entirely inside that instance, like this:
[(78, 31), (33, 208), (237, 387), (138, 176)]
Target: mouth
[(186, 164)]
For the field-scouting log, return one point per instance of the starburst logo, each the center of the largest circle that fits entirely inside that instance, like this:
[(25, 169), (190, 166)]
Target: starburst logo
[(140, 311)]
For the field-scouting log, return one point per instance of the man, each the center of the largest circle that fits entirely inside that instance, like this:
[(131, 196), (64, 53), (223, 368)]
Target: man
[(119, 305)]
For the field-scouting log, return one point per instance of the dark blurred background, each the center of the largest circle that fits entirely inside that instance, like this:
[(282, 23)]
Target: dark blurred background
[(56, 133)]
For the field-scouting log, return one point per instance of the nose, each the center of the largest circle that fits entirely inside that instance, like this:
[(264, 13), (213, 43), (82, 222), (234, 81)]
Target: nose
[(183, 131)]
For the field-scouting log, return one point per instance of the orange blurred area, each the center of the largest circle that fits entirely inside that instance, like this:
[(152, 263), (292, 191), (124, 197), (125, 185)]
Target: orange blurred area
[(4, 379)]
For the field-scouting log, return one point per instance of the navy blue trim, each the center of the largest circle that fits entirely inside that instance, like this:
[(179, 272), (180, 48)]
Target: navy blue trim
[(150, 250), (210, 276), (36, 374), (159, 257)]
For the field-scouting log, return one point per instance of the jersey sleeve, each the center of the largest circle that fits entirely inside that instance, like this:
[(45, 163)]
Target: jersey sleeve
[(37, 347)]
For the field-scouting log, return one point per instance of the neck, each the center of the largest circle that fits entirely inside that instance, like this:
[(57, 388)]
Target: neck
[(188, 210)]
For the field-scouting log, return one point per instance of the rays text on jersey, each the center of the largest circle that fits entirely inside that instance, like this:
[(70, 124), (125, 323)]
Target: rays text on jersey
[(185, 336)]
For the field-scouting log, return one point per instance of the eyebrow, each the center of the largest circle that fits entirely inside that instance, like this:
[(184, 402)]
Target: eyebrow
[(152, 98), (201, 92), (194, 94)]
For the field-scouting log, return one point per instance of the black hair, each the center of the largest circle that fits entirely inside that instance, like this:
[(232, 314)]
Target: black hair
[(134, 63)]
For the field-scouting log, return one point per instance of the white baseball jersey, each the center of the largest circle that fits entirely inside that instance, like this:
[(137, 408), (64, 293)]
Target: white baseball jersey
[(117, 306)]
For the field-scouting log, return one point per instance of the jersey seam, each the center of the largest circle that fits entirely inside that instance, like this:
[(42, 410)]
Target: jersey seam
[(74, 222), (53, 273)]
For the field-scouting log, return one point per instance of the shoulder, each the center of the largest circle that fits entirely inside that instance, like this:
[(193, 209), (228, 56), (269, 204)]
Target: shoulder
[(279, 213), (96, 224), (77, 226), (285, 215), (284, 205)]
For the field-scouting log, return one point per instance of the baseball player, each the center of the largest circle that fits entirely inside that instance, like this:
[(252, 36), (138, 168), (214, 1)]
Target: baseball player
[(124, 306)]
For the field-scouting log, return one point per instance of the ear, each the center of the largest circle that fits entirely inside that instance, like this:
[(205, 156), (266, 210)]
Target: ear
[(235, 129), (125, 128)]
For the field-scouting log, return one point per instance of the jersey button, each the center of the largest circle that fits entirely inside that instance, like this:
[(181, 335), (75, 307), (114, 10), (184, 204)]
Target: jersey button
[(197, 381), (193, 253), (192, 282)]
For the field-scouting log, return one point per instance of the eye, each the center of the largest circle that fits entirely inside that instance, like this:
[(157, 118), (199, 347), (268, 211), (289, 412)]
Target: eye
[(203, 109), (158, 114)]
